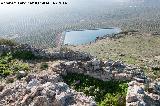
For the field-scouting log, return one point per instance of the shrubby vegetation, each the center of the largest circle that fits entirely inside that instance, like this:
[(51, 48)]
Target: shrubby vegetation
[(7, 42), (9, 65), (44, 66), (109, 93), (24, 55)]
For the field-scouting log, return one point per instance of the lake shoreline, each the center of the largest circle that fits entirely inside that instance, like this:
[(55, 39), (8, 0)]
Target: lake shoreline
[(105, 32)]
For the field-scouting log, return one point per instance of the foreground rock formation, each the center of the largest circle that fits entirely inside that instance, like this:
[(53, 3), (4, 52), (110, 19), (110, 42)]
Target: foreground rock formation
[(48, 89), (138, 92), (45, 89), (103, 70), (138, 96)]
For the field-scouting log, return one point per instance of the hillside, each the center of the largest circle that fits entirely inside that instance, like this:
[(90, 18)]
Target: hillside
[(135, 48), (73, 78)]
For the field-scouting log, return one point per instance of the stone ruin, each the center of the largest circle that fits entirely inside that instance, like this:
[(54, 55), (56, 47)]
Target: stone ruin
[(61, 55), (49, 90), (44, 89), (106, 71), (116, 70)]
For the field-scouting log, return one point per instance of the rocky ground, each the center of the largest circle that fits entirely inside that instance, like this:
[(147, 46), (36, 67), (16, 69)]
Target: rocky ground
[(134, 48), (47, 88), (42, 89)]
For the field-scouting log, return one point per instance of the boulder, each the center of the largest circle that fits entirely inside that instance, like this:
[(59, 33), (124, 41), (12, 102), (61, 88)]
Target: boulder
[(142, 103), (32, 83), (156, 87), (6, 92), (140, 90), (132, 98), (40, 101), (62, 87), (140, 80), (96, 67), (21, 74), (95, 62), (1, 88), (108, 63), (64, 99), (29, 78), (93, 103), (54, 78), (50, 93), (118, 65)]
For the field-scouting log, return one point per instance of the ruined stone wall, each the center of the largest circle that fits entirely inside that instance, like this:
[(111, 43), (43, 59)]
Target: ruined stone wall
[(68, 55), (103, 70)]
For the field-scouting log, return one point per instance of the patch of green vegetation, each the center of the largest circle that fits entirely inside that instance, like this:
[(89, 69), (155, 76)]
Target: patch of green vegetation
[(108, 93), (24, 55), (44, 66), (10, 65)]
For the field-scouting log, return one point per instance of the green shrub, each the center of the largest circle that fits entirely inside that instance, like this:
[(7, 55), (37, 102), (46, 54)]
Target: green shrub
[(7, 72), (44, 66), (24, 55), (20, 66), (9, 65), (106, 93)]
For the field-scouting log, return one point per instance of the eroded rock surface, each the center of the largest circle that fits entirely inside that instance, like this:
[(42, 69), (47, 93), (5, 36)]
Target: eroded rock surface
[(45, 89)]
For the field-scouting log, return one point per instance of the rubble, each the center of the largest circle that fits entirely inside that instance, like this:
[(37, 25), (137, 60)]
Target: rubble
[(69, 55), (48, 89), (52, 92), (106, 71)]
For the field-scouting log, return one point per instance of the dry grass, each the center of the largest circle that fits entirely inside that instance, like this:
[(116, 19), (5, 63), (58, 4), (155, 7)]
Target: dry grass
[(137, 49)]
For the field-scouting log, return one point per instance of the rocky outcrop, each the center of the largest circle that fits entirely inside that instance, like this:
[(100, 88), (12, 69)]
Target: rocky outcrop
[(108, 70), (44, 89), (116, 70), (68, 55), (48, 89), (137, 96)]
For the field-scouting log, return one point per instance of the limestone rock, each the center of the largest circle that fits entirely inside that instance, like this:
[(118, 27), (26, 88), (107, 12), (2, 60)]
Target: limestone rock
[(139, 80), (21, 74), (132, 98), (30, 77), (1, 87), (33, 82), (40, 101)]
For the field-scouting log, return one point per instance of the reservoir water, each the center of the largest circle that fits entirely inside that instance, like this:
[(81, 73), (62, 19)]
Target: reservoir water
[(87, 36)]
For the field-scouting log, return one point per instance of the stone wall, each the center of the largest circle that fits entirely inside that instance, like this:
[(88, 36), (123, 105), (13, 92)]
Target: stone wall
[(69, 55), (116, 70), (103, 70)]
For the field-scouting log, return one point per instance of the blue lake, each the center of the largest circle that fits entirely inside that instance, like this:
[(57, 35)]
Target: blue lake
[(87, 36)]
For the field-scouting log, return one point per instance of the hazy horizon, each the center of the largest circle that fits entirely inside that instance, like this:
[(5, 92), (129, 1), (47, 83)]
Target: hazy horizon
[(39, 21)]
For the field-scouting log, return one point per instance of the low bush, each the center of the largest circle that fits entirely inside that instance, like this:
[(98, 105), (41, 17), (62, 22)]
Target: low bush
[(109, 93), (9, 65), (7, 72), (44, 66), (24, 55)]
